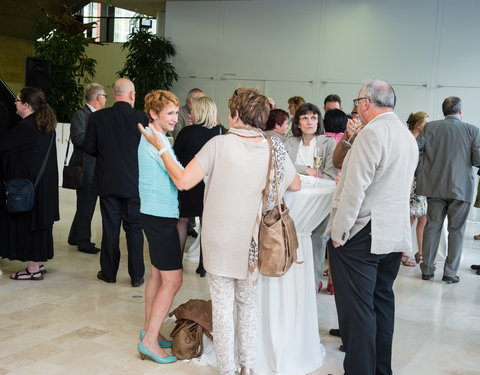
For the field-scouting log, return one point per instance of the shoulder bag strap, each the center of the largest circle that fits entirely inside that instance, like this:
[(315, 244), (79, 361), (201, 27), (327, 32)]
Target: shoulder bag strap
[(44, 161), (267, 182)]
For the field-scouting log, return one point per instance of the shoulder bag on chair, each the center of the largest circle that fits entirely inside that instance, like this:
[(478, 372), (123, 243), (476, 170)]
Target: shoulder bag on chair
[(20, 192), (277, 242)]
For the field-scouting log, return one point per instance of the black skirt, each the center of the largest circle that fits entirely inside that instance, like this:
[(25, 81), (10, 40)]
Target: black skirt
[(163, 242)]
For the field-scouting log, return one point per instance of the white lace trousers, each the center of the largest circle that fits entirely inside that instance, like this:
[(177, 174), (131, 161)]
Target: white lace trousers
[(226, 294)]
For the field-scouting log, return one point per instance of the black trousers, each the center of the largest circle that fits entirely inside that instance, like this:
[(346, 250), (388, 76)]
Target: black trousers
[(365, 303), (80, 231), (115, 212)]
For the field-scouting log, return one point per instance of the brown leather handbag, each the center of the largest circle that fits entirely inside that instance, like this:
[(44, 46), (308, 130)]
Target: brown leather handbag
[(277, 236)]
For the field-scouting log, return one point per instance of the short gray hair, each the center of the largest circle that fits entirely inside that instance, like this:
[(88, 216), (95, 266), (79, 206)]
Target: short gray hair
[(380, 93), (92, 90), (452, 106), (193, 93)]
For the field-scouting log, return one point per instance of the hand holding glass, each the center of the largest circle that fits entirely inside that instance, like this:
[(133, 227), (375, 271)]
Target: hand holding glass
[(357, 123), (317, 160)]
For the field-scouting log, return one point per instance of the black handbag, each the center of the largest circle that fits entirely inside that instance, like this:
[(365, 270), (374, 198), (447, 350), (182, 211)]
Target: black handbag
[(72, 175), (20, 192)]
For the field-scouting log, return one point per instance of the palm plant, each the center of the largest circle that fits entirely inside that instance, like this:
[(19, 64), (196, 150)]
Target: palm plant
[(62, 41), (146, 64)]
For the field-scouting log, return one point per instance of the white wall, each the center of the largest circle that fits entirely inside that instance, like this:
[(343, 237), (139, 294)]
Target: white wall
[(425, 49)]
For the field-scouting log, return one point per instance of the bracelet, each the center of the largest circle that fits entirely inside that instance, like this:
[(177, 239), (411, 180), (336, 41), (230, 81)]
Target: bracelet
[(162, 151)]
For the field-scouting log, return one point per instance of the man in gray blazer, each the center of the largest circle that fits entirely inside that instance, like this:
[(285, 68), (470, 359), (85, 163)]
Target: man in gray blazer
[(80, 231), (370, 228), (184, 118), (448, 150)]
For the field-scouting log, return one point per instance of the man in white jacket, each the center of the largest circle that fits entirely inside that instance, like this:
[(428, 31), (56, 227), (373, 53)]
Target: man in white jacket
[(369, 229)]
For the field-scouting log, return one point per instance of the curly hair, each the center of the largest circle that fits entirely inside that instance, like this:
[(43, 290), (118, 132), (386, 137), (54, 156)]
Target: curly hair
[(156, 100), (415, 119), (252, 107)]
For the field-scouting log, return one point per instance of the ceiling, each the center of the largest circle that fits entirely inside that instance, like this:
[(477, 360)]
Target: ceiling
[(18, 18)]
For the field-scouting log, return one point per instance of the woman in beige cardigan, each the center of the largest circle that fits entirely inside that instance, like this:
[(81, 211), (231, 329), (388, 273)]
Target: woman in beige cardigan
[(308, 132), (236, 165)]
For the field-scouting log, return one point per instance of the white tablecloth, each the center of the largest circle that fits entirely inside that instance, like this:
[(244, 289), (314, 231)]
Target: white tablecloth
[(288, 341)]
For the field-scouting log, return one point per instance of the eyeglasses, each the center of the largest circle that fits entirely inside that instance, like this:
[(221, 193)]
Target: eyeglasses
[(105, 95), (355, 101), (17, 100)]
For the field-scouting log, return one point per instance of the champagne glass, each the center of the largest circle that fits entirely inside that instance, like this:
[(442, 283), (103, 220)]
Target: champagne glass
[(358, 125), (317, 160)]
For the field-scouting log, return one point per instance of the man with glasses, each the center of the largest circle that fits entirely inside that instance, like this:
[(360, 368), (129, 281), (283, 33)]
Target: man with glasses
[(369, 229), (80, 231)]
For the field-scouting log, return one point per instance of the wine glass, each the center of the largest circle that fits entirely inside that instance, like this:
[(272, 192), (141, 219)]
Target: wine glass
[(358, 125), (317, 160)]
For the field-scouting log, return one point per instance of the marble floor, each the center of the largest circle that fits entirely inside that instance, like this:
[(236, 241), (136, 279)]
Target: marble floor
[(72, 323)]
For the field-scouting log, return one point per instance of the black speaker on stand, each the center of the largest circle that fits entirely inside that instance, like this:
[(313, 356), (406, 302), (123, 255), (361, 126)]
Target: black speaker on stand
[(38, 73)]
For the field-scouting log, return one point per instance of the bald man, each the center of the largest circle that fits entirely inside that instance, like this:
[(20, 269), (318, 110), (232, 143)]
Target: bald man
[(112, 137)]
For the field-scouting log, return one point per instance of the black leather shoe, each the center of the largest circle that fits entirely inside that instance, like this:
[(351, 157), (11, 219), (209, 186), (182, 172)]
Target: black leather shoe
[(103, 278), (341, 348), (475, 267), (90, 250), (137, 282), (193, 233), (334, 332), (450, 280), (72, 243), (427, 277)]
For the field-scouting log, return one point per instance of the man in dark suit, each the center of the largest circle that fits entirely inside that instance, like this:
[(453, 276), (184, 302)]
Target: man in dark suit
[(80, 231), (448, 150), (113, 137)]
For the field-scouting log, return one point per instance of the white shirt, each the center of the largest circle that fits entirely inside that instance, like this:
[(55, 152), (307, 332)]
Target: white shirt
[(305, 153)]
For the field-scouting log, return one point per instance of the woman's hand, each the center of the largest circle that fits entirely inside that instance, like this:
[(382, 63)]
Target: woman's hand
[(313, 172), (152, 138)]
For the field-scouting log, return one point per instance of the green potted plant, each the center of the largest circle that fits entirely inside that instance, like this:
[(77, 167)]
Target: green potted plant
[(146, 64), (62, 41)]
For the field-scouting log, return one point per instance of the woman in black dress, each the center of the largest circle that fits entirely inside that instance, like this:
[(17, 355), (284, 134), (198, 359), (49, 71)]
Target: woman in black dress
[(23, 150), (188, 142)]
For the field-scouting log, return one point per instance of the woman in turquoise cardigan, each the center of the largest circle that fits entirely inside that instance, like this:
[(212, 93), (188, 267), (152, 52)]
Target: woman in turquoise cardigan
[(159, 209)]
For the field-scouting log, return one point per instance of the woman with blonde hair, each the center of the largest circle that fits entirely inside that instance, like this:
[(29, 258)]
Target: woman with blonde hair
[(418, 203), (236, 165), (189, 141), (159, 217)]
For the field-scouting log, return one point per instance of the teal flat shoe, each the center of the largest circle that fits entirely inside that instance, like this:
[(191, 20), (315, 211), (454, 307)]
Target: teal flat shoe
[(144, 353), (163, 344)]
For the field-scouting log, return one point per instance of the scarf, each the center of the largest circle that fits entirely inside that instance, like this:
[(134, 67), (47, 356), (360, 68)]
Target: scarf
[(279, 155)]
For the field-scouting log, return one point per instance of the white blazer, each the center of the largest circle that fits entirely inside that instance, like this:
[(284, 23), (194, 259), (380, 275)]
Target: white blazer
[(375, 186)]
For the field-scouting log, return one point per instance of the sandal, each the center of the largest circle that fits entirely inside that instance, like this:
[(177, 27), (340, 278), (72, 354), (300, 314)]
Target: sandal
[(29, 275), (407, 262), (42, 269), (418, 257)]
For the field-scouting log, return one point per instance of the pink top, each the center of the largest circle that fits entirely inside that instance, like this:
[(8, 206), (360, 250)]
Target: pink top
[(336, 136)]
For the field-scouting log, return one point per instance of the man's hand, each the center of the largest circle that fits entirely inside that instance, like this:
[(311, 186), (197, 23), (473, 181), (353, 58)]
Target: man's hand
[(152, 138), (335, 244)]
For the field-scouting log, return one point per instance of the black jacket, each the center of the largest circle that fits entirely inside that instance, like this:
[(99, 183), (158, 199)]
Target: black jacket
[(113, 137)]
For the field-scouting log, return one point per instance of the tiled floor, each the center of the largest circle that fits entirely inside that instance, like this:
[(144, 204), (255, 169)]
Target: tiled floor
[(72, 323)]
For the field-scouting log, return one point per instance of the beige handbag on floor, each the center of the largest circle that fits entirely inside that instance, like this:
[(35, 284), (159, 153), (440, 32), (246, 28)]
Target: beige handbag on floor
[(277, 237)]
